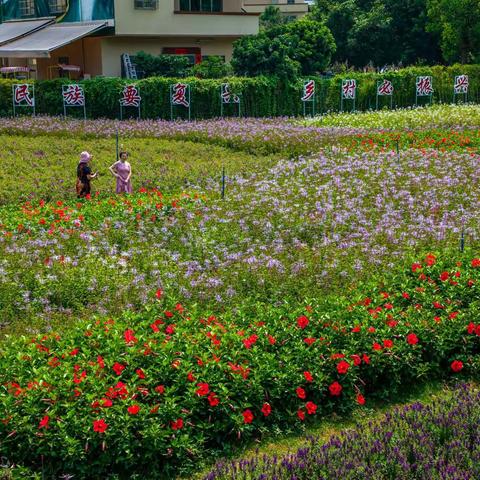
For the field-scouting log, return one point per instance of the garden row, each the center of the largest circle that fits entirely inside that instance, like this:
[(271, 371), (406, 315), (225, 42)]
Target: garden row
[(155, 392), (260, 96), (435, 440)]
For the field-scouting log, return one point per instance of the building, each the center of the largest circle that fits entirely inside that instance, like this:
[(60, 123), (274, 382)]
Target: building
[(88, 38), (290, 8)]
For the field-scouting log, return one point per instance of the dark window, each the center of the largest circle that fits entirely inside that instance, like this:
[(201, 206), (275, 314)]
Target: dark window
[(146, 4), (201, 6), (27, 8), (290, 1), (57, 7)]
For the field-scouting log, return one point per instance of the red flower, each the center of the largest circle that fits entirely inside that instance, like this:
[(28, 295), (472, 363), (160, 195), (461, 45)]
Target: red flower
[(213, 400), (251, 340), (118, 368), (308, 376), (99, 426), (302, 322), (444, 276), (356, 329), (177, 424), (371, 329), (412, 339), (405, 295), (140, 373), (133, 409), (476, 262), (203, 389), (74, 352), (190, 377), (100, 362), (301, 414), (387, 343), (247, 416), (129, 336), (301, 393), (356, 360), (44, 422), (311, 408), (416, 266), (309, 340), (266, 409), (106, 402), (366, 359), (456, 366), (159, 293), (360, 399), (376, 346), (272, 340), (430, 259), (335, 389), (160, 389), (343, 367)]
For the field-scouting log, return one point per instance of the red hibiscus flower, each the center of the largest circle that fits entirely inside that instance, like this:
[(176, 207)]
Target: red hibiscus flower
[(456, 366), (266, 409), (140, 373), (360, 399), (444, 276), (301, 393), (133, 409), (106, 402), (430, 259), (159, 293), (44, 422), (416, 266), (247, 416), (160, 389), (311, 408), (302, 322), (213, 400), (388, 343), (301, 414), (405, 295), (476, 262), (376, 346), (366, 359), (342, 367), (335, 389), (203, 389), (308, 376), (118, 368), (412, 339), (129, 336), (177, 424), (309, 340), (356, 360), (99, 426), (272, 340)]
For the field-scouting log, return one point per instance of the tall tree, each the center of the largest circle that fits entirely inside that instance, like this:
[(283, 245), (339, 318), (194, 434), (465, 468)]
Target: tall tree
[(458, 24), (271, 17)]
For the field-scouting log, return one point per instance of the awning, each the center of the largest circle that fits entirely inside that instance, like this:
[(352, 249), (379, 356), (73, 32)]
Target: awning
[(10, 31), (42, 42)]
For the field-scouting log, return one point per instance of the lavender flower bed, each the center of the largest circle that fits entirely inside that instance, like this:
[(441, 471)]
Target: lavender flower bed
[(420, 441), (266, 135)]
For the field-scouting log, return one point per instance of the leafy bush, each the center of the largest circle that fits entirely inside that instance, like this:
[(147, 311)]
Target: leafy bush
[(151, 392), (212, 67), (261, 96), (176, 66)]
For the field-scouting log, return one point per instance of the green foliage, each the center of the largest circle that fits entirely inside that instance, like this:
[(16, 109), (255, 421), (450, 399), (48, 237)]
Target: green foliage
[(212, 67), (458, 24), (162, 65), (271, 17)]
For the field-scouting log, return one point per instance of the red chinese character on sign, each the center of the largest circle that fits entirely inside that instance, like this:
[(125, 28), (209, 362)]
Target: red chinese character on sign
[(22, 94), (349, 89), (385, 88), (179, 94), (226, 95), (424, 86), (461, 84), (308, 91), (130, 97), (73, 95)]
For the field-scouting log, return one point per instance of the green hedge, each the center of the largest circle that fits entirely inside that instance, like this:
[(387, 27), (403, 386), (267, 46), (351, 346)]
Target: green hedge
[(261, 96)]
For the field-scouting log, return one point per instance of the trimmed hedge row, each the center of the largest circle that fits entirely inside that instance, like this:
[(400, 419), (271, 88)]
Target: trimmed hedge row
[(261, 96)]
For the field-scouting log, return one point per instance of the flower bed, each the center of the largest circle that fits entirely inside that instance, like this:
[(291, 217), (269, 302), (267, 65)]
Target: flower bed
[(155, 392), (419, 441)]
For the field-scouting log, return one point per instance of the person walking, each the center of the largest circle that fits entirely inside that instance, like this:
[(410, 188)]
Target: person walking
[(122, 170), (84, 175)]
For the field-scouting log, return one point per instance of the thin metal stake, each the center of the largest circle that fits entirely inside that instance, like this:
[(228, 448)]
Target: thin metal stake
[(462, 240), (223, 183), (117, 145)]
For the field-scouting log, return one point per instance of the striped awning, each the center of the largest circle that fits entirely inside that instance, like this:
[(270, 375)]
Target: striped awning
[(10, 31), (41, 43), (6, 70)]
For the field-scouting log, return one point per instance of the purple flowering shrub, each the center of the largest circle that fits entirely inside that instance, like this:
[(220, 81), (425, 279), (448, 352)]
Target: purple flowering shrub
[(433, 441)]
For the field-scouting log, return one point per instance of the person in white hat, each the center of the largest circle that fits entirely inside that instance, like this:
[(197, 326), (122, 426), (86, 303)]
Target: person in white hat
[(84, 175)]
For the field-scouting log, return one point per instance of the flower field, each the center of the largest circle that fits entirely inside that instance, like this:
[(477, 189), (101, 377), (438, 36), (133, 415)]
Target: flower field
[(149, 333), (393, 448)]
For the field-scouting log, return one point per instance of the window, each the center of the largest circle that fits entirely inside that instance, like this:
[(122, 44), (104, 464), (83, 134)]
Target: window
[(146, 4), (290, 1), (27, 8), (201, 6), (57, 7)]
